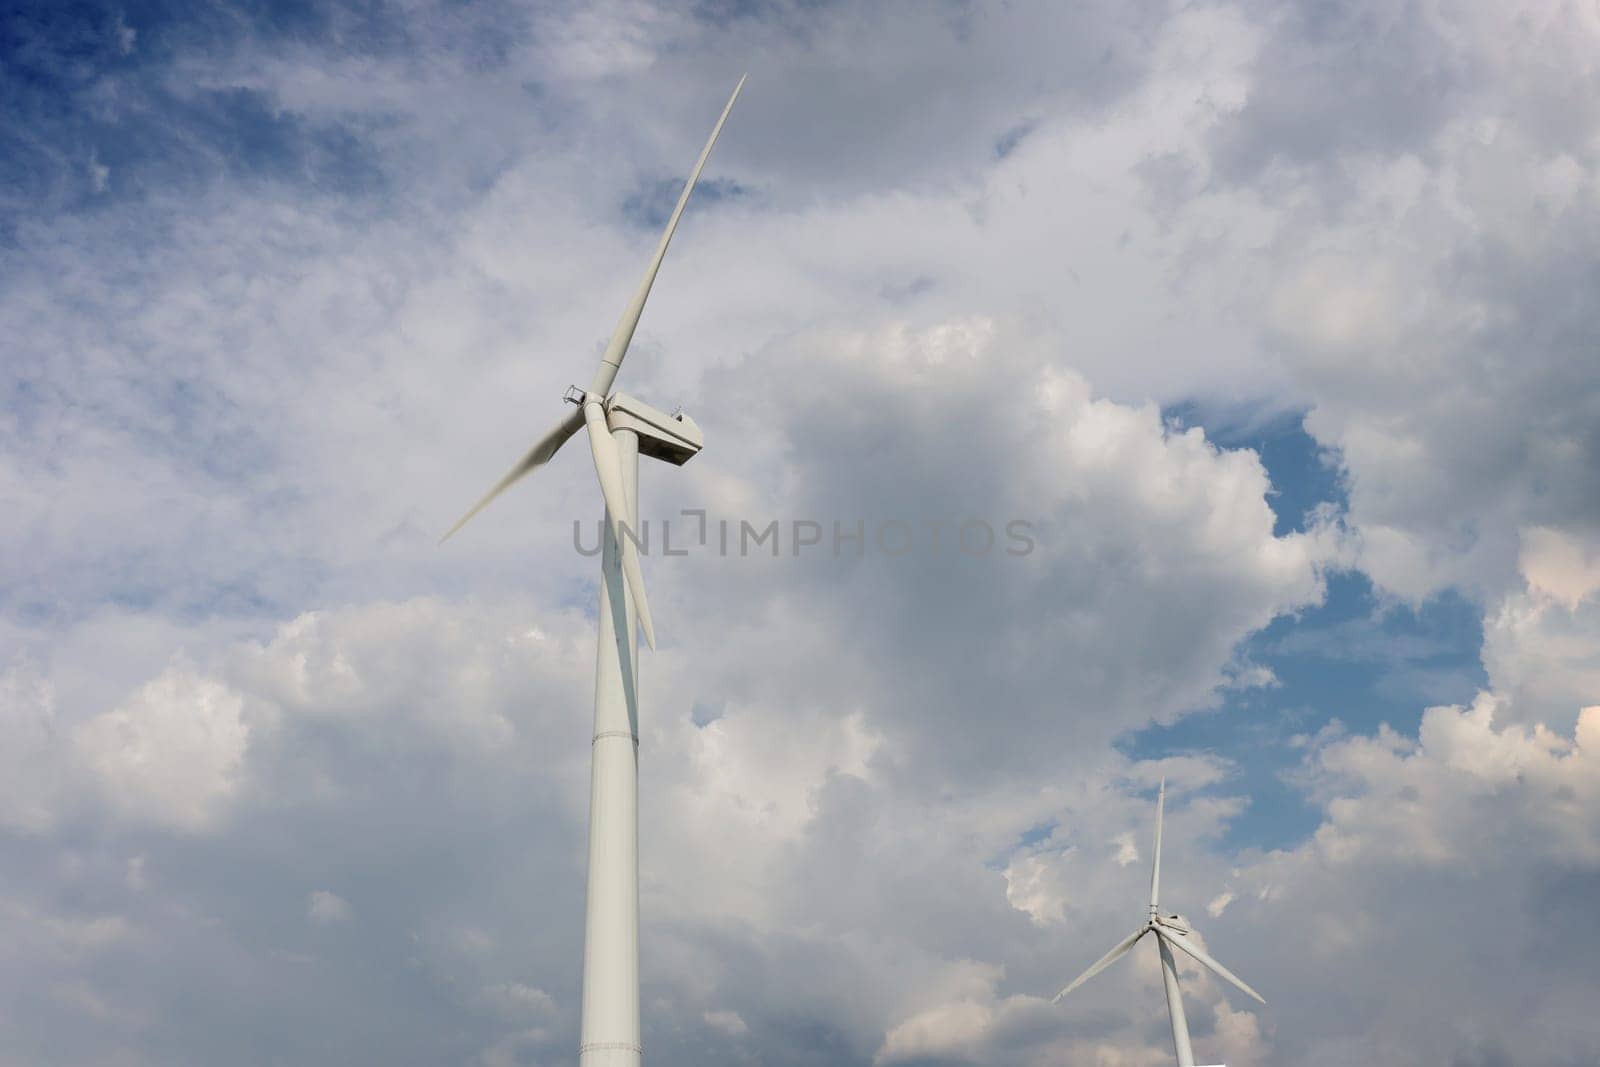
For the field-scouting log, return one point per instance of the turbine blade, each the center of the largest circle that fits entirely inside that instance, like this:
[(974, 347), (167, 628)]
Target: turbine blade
[(617, 347), (1206, 961), (608, 466), (536, 457), (1105, 961), (1155, 872)]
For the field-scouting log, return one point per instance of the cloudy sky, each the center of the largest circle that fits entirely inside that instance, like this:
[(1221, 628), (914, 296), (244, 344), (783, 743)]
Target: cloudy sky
[(1275, 323)]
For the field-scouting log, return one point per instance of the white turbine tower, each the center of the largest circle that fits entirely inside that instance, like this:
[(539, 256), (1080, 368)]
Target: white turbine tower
[(620, 428), (1169, 930)]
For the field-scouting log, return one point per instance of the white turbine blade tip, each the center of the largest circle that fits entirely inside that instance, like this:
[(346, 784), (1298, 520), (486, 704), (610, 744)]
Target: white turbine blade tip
[(649, 635), (488, 498), (1122, 949), (459, 523), (536, 457), (622, 336), (1155, 868), (641, 604), (1210, 964)]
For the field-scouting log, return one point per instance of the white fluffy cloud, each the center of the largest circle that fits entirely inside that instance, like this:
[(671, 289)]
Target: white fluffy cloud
[(172, 754), (325, 908), (1138, 529), (1541, 654), (1462, 865)]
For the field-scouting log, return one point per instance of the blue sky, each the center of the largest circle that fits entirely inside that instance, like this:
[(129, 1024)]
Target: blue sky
[(1274, 323), (152, 132), (1358, 660)]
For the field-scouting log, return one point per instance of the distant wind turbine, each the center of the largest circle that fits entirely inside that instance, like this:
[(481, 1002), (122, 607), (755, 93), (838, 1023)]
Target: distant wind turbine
[(620, 428), (1169, 930)]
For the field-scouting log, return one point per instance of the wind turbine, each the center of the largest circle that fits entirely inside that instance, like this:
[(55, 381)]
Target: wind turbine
[(620, 428), (1169, 930)]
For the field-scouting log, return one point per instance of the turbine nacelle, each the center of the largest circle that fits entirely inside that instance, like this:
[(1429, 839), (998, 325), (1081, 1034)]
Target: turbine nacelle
[(674, 438), (1175, 923)]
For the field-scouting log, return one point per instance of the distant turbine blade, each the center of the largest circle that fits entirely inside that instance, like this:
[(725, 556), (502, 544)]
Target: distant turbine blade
[(1105, 961), (1206, 961), (536, 457), (1155, 872), (617, 347), (608, 465)]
